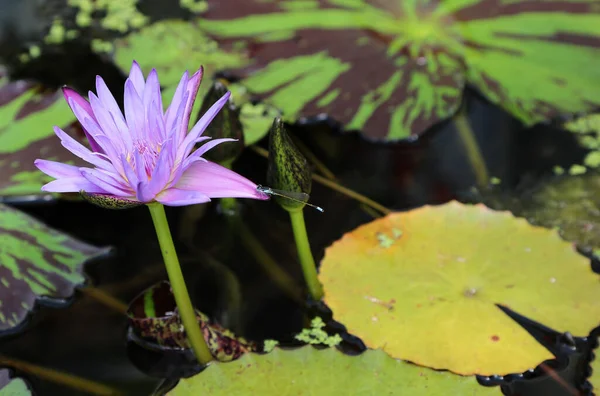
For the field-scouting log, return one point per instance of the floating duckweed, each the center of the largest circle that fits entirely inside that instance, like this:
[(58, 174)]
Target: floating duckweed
[(558, 170), (316, 334), (495, 181), (196, 6), (56, 34), (34, 51), (24, 58), (119, 15), (588, 130), (269, 345), (71, 34), (102, 46), (577, 170)]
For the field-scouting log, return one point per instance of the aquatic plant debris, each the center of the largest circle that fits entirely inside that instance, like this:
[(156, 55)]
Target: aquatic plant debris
[(392, 69), (587, 129), (430, 298), (174, 45), (153, 316), (27, 112), (316, 334), (326, 372), (37, 264), (146, 154), (12, 386)]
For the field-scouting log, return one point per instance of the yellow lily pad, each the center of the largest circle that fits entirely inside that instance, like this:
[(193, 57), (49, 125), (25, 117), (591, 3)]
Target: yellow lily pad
[(308, 371), (423, 286)]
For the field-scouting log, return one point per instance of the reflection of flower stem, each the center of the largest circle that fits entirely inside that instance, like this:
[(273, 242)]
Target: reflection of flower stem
[(182, 298), (59, 377), (472, 148), (104, 298), (264, 259), (306, 258)]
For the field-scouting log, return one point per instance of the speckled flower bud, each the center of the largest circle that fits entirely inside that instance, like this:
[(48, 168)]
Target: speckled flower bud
[(288, 169)]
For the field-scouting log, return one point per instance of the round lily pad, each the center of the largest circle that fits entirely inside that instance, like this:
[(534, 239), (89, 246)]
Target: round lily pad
[(323, 373), (423, 286)]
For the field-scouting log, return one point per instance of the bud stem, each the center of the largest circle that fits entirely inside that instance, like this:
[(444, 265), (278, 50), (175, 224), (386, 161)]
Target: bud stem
[(182, 298), (305, 255)]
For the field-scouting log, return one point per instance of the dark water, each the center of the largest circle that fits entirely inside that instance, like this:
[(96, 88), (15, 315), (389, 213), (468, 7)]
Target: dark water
[(89, 340)]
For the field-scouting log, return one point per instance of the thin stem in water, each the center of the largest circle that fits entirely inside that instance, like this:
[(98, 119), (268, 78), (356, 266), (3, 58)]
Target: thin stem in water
[(69, 380), (182, 298), (305, 255), (467, 136)]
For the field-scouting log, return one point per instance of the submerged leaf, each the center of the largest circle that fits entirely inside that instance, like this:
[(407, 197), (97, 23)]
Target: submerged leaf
[(423, 286), (37, 263), (153, 317), (323, 373), (13, 386), (394, 68), (27, 114), (570, 204), (172, 46)]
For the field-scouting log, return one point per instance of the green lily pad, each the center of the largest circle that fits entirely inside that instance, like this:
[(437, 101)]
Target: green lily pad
[(27, 114), (423, 286), (12, 386), (37, 264), (393, 68), (153, 317), (325, 372), (173, 46)]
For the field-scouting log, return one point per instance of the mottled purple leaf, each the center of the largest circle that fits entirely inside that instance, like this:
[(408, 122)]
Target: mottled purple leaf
[(37, 264), (393, 68), (27, 114)]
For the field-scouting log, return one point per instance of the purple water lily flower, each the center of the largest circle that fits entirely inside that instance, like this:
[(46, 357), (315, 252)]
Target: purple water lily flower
[(146, 155)]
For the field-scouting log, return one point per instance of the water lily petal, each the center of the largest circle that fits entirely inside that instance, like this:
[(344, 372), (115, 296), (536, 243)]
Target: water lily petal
[(80, 150), (192, 91), (216, 181), (201, 125), (110, 104), (137, 78), (176, 197), (71, 95), (105, 182), (72, 184), (172, 110), (204, 148), (57, 169), (134, 112)]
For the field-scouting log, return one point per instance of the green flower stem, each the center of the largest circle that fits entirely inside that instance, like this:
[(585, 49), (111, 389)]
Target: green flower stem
[(182, 298), (306, 258)]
